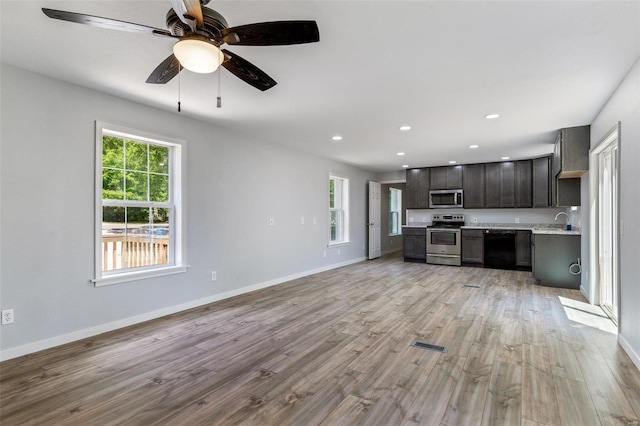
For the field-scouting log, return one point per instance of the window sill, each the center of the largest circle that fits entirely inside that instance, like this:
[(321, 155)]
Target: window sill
[(339, 244), (395, 235), (139, 275)]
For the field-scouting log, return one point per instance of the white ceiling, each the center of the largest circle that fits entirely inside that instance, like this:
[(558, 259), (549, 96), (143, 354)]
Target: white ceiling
[(439, 66)]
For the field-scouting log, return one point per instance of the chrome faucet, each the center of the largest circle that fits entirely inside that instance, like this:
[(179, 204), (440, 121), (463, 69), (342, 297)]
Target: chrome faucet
[(568, 224)]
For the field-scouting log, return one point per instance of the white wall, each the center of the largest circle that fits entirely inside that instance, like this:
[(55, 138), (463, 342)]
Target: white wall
[(235, 184), (624, 106)]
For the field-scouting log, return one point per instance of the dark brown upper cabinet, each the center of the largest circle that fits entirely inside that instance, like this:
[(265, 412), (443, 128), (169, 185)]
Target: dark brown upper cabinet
[(571, 152), (448, 177), (523, 184), (417, 188), (541, 175), (473, 184), (500, 185)]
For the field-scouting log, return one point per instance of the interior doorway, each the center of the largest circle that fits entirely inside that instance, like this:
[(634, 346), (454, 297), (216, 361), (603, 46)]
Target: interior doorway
[(607, 224)]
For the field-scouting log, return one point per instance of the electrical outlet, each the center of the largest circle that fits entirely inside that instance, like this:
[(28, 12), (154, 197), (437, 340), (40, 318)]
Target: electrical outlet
[(315, 220), (338, 252), (517, 220), (214, 275), (271, 221), (7, 316), (302, 220), (475, 220), (324, 253)]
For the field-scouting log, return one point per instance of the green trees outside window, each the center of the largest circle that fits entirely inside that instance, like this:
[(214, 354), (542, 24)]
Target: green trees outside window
[(136, 209)]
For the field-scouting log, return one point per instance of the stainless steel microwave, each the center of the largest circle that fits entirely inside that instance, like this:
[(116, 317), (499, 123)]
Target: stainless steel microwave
[(445, 199)]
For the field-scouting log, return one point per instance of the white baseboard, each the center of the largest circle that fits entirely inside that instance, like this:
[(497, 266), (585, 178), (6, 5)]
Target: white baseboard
[(629, 350), (585, 294), (125, 322)]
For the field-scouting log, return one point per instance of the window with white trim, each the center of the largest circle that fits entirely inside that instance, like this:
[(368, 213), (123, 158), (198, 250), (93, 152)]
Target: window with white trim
[(338, 210), (138, 205), (395, 211)]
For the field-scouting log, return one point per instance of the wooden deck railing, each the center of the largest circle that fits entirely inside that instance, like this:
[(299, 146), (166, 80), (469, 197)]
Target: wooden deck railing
[(120, 252)]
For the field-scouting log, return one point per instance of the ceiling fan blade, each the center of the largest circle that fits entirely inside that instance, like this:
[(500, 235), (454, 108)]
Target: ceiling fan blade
[(272, 33), (164, 72), (97, 21), (246, 71), (189, 12)]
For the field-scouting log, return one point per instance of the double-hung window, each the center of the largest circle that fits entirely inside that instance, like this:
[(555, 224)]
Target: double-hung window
[(338, 210), (139, 219), (395, 210)]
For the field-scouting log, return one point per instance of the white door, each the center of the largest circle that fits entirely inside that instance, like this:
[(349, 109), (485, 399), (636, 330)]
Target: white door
[(374, 220)]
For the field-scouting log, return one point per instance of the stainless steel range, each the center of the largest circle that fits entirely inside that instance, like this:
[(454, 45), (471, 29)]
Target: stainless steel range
[(443, 239)]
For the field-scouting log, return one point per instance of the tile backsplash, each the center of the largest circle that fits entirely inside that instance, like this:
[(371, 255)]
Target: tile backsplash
[(503, 216)]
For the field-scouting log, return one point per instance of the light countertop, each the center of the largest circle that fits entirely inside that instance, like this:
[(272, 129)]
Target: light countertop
[(535, 228)]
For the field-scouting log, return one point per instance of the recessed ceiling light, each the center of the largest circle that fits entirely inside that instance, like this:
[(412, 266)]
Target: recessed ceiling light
[(401, 153), (405, 166), (505, 158), (405, 128), (337, 138), (474, 146), (452, 162), (491, 116)]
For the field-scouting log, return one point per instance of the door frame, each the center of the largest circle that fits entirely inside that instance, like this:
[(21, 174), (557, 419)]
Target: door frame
[(594, 224)]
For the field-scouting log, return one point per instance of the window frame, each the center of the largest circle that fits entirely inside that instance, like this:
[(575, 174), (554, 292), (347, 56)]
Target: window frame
[(398, 211), (343, 210), (177, 205)]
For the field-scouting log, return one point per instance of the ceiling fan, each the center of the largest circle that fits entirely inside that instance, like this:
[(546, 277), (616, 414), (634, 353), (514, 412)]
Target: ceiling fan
[(200, 31)]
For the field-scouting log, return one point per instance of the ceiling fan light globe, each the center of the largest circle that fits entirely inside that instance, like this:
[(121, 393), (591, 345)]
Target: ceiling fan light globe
[(198, 55)]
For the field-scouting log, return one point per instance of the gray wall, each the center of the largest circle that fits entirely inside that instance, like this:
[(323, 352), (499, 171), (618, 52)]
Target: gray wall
[(388, 243), (395, 176), (624, 106), (235, 183)]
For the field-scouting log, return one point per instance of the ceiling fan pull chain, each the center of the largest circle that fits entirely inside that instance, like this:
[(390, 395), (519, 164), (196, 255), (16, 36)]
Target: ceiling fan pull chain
[(179, 88), (219, 90)]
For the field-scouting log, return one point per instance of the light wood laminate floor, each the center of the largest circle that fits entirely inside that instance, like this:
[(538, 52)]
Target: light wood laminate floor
[(334, 349)]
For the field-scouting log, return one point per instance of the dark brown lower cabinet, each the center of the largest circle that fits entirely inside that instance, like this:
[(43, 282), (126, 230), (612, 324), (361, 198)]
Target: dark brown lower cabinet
[(523, 250), (414, 244), (473, 247)]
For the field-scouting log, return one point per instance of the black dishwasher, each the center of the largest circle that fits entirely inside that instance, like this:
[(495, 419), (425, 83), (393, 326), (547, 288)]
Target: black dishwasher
[(500, 249)]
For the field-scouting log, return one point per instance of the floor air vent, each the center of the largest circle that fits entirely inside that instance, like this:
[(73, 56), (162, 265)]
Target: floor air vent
[(471, 286), (423, 345)]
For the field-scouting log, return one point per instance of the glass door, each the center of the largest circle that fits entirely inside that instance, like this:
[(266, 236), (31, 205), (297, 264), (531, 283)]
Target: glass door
[(608, 228)]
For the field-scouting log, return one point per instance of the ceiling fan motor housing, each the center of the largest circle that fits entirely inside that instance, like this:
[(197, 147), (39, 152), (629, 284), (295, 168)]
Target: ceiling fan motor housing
[(211, 28)]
